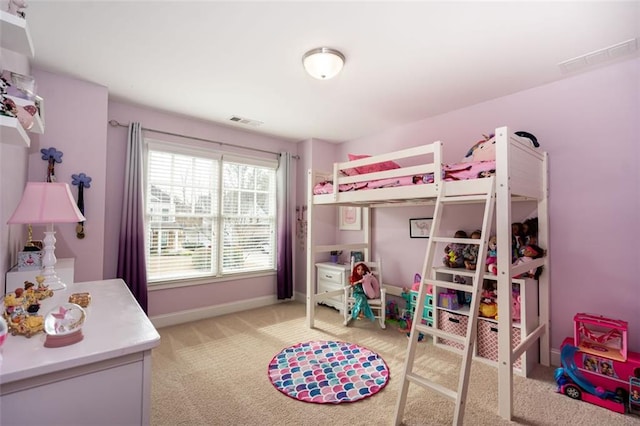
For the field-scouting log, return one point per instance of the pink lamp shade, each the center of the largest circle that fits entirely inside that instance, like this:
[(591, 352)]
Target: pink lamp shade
[(46, 202), (49, 203)]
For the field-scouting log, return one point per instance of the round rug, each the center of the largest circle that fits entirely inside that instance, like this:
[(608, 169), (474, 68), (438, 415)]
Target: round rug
[(328, 372)]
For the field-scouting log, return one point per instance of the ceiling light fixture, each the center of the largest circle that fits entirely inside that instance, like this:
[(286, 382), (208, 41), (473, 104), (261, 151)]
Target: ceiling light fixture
[(323, 63)]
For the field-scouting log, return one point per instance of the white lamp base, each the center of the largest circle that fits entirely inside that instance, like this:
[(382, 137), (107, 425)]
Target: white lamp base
[(49, 260)]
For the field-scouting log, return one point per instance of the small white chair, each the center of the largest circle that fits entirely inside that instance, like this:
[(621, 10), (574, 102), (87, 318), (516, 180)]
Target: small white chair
[(378, 306)]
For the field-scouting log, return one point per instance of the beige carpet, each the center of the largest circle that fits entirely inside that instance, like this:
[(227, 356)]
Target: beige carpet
[(214, 372)]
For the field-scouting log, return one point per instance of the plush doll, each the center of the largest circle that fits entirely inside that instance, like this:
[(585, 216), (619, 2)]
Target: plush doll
[(483, 150), (453, 252), (529, 253), (492, 255), (515, 307), (470, 252)]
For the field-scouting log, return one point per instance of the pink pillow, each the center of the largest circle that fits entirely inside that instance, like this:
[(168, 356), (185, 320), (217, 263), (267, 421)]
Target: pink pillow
[(371, 168), (371, 286)]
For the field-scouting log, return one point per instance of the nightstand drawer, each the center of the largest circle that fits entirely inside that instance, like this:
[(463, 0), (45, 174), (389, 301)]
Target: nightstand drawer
[(331, 275)]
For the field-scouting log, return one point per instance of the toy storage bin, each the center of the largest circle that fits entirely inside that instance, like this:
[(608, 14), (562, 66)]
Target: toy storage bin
[(454, 324), (487, 344)]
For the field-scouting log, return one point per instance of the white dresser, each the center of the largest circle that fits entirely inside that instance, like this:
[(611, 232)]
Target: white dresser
[(15, 278), (103, 379), (332, 276)]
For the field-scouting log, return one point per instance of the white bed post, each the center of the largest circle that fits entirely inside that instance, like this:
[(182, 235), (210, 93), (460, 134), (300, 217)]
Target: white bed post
[(503, 233), (544, 289), (366, 227), (311, 276)]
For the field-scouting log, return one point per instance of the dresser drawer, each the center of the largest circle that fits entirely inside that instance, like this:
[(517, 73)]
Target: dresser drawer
[(331, 276)]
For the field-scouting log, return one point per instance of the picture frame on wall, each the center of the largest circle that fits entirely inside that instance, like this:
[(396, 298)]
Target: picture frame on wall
[(350, 218), (357, 256), (420, 227)]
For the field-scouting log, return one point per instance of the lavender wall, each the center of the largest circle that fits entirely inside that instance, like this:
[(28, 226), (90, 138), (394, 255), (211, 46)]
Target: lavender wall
[(589, 124), (165, 301), (75, 124)]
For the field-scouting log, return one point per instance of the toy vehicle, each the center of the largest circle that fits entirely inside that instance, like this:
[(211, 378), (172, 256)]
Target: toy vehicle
[(575, 385)]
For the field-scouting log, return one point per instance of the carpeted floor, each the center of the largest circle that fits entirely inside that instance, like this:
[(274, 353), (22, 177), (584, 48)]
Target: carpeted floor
[(214, 372)]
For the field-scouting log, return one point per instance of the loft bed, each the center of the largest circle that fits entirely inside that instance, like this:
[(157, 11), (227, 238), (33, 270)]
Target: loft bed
[(521, 173)]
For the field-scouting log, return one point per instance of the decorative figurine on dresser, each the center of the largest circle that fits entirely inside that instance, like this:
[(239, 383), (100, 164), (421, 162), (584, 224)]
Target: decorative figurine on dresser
[(21, 308)]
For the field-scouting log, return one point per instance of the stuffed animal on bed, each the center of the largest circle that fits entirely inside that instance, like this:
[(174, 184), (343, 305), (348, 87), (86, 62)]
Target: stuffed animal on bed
[(483, 150)]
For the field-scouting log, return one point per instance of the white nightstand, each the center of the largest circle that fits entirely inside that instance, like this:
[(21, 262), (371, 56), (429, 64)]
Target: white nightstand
[(332, 276), (15, 279)]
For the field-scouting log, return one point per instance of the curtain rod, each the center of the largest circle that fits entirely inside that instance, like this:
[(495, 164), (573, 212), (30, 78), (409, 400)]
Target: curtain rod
[(115, 123)]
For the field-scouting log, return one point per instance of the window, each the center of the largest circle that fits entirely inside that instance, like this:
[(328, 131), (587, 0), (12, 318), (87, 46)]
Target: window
[(207, 214)]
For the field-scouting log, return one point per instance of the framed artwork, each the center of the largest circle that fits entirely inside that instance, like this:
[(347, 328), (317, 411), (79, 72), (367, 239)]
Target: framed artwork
[(420, 227), (350, 219), (357, 256)]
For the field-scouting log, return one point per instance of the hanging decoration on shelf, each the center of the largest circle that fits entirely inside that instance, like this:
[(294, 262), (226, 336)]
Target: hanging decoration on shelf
[(17, 7), (82, 181), (9, 108), (51, 156)]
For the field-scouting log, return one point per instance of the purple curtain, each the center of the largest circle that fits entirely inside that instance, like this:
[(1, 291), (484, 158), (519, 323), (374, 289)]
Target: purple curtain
[(131, 255), (284, 243)]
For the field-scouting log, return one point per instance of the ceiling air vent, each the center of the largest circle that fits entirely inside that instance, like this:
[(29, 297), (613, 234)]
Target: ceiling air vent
[(245, 121), (599, 56)]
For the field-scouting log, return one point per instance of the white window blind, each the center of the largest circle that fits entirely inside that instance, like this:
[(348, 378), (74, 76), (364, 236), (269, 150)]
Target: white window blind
[(206, 216)]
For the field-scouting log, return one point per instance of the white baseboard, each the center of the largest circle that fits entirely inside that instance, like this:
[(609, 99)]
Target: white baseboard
[(182, 317), (555, 358)]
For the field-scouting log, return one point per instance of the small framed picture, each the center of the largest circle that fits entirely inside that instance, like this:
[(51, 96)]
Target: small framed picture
[(357, 256), (29, 260), (350, 219), (420, 227)]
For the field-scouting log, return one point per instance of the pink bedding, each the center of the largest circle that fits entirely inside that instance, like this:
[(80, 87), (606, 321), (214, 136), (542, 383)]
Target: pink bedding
[(450, 172)]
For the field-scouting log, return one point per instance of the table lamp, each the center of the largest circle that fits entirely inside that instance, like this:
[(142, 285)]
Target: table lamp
[(47, 203)]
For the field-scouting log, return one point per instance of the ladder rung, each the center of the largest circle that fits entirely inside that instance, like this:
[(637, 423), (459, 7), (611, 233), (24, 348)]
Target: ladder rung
[(453, 286), (419, 380), (461, 271), (463, 198), (440, 333), (457, 240)]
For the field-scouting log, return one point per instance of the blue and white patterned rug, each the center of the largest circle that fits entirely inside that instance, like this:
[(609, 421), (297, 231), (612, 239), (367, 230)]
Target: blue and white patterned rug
[(328, 372)]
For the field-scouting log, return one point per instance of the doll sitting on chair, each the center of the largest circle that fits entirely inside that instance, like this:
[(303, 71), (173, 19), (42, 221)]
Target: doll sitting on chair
[(365, 286)]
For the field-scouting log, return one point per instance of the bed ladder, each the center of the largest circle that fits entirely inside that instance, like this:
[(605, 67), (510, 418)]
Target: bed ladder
[(485, 195)]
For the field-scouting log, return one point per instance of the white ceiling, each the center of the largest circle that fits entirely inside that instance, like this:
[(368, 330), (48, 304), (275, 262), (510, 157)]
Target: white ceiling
[(405, 61)]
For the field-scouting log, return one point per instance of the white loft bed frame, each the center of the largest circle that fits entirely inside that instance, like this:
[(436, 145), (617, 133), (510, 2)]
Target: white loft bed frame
[(521, 174)]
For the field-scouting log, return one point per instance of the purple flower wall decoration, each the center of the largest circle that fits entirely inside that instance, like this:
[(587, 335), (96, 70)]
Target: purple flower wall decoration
[(51, 156)]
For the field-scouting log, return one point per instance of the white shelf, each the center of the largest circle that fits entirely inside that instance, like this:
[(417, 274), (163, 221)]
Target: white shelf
[(14, 34), (38, 119), (12, 133)]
